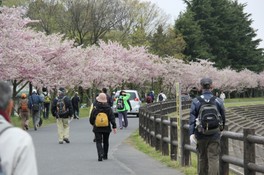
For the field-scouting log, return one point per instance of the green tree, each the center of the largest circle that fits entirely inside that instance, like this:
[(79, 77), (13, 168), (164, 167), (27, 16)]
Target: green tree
[(220, 31), (166, 43), (47, 13)]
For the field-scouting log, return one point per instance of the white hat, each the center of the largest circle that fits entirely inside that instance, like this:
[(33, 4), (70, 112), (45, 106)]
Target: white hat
[(34, 91)]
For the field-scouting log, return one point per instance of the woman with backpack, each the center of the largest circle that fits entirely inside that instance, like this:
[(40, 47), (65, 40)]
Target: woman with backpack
[(101, 117), (23, 111)]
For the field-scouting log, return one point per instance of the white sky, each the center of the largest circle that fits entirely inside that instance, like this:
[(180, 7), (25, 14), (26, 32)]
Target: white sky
[(254, 7)]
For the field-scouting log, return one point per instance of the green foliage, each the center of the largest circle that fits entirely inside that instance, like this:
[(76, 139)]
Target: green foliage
[(220, 31), (138, 37), (11, 3), (166, 44)]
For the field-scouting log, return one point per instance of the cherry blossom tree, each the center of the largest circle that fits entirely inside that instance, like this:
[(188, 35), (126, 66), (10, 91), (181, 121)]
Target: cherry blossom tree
[(53, 61)]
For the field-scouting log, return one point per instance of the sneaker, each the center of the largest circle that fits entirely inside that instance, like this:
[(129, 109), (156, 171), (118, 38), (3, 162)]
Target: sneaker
[(60, 142), (66, 140), (105, 157), (100, 158)]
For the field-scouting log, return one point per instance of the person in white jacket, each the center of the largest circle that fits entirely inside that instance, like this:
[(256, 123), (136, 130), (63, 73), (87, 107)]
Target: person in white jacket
[(17, 152), (222, 96), (161, 96)]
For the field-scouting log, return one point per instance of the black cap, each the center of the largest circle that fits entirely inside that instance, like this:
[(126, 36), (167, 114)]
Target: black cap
[(61, 90), (206, 81)]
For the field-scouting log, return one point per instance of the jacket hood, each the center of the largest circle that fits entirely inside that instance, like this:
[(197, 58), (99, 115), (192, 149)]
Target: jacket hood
[(102, 106)]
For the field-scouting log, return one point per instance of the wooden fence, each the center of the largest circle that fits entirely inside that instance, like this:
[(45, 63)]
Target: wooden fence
[(161, 132)]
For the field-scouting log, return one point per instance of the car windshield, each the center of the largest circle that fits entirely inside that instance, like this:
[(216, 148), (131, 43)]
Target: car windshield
[(132, 95)]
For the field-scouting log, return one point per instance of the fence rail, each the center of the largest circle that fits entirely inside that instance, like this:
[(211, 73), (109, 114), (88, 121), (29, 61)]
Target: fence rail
[(161, 132)]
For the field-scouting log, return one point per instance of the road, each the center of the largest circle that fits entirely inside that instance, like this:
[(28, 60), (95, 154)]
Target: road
[(80, 156)]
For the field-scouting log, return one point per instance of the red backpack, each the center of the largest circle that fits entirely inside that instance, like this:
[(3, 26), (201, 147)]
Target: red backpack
[(24, 106)]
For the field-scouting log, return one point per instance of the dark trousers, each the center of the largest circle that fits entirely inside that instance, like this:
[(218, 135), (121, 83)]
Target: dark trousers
[(76, 111), (102, 143), (46, 110), (208, 155)]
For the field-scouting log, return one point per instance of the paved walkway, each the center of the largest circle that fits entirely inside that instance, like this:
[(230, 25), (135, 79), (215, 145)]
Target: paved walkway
[(80, 156)]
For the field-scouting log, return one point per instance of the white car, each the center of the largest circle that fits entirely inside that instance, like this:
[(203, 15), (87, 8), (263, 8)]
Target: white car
[(134, 101)]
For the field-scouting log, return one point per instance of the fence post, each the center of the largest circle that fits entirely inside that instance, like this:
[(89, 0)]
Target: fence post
[(185, 154), (164, 135), (141, 115), (157, 132), (152, 131), (173, 138), (148, 128), (249, 152), (223, 166)]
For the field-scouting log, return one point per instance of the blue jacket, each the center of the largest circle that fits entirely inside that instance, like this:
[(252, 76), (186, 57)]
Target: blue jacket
[(195, 106), (34, 99)]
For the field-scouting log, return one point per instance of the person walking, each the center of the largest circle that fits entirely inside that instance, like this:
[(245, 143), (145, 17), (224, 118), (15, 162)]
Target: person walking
[(17, 153), (161, 97), (222, 96), (61, 108), (35, 105), (75, 104), (207, 137), (109, 101), (46, 105), (122, 107), (23, 111), (100, 113), (109, 98)]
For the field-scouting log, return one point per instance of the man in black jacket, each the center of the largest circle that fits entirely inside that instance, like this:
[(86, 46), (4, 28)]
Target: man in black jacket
[(102, 132), (62, 110)]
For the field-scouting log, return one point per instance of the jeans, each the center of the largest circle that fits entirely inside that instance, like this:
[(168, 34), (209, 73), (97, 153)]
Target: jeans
[(122, 115), (36, 118)]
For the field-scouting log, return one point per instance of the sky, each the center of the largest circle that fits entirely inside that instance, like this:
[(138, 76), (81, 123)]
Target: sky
[(254, 7)]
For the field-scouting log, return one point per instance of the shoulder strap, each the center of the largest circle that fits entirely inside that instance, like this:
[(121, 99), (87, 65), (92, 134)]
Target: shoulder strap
[(212, 99), (4, 126), (200, 99)]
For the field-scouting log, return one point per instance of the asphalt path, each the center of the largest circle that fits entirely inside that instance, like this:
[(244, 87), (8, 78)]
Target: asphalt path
[(80, 156)]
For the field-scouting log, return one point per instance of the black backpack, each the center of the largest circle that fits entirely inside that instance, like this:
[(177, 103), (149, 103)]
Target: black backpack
[(160, 97), (62, 110), (120, 103), (209, 118)]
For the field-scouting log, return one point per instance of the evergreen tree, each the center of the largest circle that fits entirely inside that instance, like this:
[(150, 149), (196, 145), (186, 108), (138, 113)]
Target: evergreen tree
[(167, 43), (222, 33)]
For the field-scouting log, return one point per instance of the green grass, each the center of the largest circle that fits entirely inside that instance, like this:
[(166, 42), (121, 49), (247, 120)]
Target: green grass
[(136, 141), (243, 102)]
